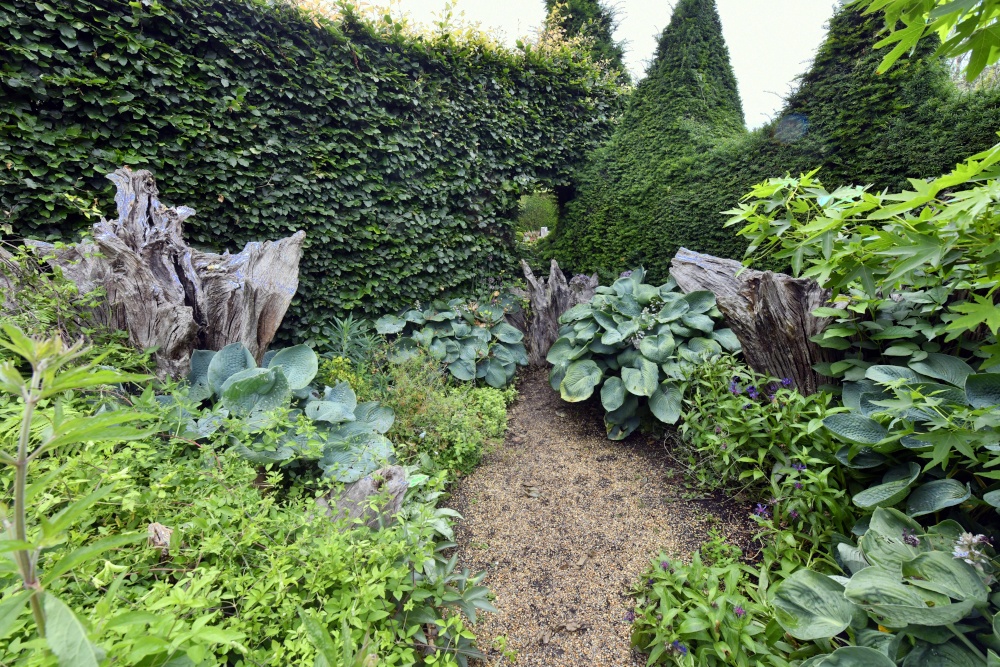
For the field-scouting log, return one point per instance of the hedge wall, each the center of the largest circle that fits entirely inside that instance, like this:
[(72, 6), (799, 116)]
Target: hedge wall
[(403, 157), (858, 126)]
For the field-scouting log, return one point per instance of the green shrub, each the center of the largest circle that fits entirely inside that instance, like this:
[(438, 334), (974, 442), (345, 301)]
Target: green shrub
[(537, 211), (402, 157)]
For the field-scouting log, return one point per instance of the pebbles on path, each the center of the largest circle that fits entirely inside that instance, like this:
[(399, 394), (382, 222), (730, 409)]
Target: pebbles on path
[(565, 521)]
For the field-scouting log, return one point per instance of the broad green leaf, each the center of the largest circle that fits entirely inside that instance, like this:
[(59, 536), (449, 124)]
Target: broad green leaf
[(727, 339), (889, 374), (666, 403), (700, 301), (852, 656), (809, 605), (66, 636), (200, 387), (506, 333), (943, 367), (389, 324), (227, 362), (895, 604), (893, 490), (700, 322), (563, 352), (642, 381), (943, 573), (379, 417), (264, 456), (657, 348), (983, 389), (856, 428), (255, 389), (299, 364), (935, 496), (863, 458), (463, 370), (612, 393), (342, 393), (580, 380), (350, 462), (332, 412)]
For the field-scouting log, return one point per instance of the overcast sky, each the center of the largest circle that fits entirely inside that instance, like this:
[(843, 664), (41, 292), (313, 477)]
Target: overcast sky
[(770, 41)]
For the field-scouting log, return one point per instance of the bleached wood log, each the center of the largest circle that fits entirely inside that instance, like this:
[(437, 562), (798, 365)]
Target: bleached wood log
[(771, 314), (549, 299), (169, 296)]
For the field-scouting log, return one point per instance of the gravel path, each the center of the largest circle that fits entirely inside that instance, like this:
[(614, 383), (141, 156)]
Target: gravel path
[(565, 521)]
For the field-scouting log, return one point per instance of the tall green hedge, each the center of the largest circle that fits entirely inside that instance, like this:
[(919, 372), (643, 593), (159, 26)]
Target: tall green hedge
[(592, 19), (857, 126), (402, 157)]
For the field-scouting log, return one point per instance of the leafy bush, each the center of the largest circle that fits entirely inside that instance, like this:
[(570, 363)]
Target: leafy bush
[(537, 211), (913, 596), (471, 339), (638, 343), (402, 156), (334, 370), (696, 613), (449, 424)]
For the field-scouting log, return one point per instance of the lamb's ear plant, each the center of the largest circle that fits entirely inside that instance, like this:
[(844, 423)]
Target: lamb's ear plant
[(46, 426)]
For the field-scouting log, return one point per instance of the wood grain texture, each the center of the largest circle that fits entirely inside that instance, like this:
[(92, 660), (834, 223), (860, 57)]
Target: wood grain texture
[(170, 296), (549, 300), (771, 314)]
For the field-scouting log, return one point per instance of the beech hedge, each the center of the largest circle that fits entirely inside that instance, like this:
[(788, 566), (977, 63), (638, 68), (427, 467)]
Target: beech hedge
[(402, 156)]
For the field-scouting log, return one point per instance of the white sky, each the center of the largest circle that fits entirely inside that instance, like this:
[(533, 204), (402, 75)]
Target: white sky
[(770, 41)]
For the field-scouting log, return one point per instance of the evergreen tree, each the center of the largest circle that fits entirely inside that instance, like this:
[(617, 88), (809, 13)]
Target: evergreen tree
[(589, 18)]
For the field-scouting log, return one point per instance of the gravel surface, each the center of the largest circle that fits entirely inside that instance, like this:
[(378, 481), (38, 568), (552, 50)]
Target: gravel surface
[(565, 521)]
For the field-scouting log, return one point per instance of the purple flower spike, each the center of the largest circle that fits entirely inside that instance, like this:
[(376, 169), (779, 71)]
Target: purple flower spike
[(762, 511), (793, 514), (786, 382), (665, 564), (629, 616), (739, 611), (753, 393), (679, 648), (799, 466), (798, 485)]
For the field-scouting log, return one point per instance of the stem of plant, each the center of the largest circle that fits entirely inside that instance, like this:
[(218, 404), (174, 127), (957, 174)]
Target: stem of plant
[(966, 642), (24, 561)]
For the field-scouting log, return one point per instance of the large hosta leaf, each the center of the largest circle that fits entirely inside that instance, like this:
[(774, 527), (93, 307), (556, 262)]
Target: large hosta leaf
[(200, 386), (727, 339), (943, 367), (563, 352), (657, 348), (342, 393), (983, 390), (673, 309), (943, 573), (227, 362), (851, 656), (299, 364), (463, 369), (863, 458), (701, 301), (263, 457), (665, 403), (612, 393), (255, 389), (856, 428), (361, 457), (698, 321), (949, 654), (809, 605), (379, 417), (895, 487), (644, 380), (936, 495), (329, 411), (506, 333), (390, 324), (580, 380), (895, 604), (888, 374)]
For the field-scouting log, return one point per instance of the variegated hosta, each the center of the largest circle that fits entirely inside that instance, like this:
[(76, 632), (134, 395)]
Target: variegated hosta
[(278, 415), (911, 596), (936, 421), (638, 343), (471, 340)]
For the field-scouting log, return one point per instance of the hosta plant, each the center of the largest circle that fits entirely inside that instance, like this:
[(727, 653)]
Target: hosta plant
[(930, 429), (637, 344), (910, 596), (272, 413), (472, 340)]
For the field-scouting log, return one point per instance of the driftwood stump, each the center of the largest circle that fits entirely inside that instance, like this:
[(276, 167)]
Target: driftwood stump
[(375, 499), (170, 296), (771, 314), (549, 300)]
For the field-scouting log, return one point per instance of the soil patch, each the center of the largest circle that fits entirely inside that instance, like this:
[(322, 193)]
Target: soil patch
[(565, 521)]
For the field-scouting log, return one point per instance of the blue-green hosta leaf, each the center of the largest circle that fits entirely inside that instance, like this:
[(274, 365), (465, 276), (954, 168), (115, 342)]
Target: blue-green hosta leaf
[(200, 387), (883, 541), (437, 349), (463, 370), (936, 495), (298, 363), (390, 324), (620, 431), (673, 309), (701, 301), (342, 393), (502, 354), (728, 340), (681, 331), (563, 352), (461, 329), (678, 370), (556, 376), (895, 604), (612, 393), (894, 488), (699, 349), (951, 653), (851, 656), (255, 390), (329, 411), (415, 316), (581, 378), (983, 390), (941, 572), (506, 333), (700, 322), (644, 380), (809, 605), (943, 367), (349, 464), (520, 353), (379, 417), (852, 557), (577, 312), (264, 457), (644, 293), (227, 362), (856, 428), (403, 349), (266, 359), (888, 374), (607, 322), (425, 337), (627, 306), (992, 498), (665, 403), (864, 458), (495, 373), (657, 348), (894, 332)]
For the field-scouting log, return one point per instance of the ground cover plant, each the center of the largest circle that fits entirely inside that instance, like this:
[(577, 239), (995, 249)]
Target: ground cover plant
[(637, 343)]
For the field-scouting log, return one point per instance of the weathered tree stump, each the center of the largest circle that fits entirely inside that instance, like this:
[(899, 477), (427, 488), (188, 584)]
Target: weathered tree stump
[(375, 499), (169, 296), (549, 300), (771, 314)]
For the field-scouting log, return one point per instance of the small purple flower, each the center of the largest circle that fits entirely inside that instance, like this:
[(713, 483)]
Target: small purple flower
[(679, 647), (625, 274), (718, 430), (762, 511), (799, 466), (665, 564), (786, 382), (734, 387), (724, 446), (629, 616), (793, 514), (649, 582), (739, 611), (798, 485), (748, 406), (753, 393), (910, 538)]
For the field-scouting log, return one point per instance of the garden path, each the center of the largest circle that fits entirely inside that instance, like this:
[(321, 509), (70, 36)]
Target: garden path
[(565, 521)]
